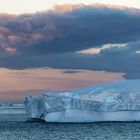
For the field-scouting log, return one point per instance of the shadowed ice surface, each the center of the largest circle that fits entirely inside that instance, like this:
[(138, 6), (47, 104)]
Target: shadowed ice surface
[(15, 127)]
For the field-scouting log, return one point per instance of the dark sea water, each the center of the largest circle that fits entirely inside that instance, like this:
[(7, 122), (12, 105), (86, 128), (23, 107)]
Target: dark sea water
[(16, 127)]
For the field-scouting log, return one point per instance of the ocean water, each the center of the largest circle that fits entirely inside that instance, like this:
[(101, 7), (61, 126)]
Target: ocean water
[(16, 127)]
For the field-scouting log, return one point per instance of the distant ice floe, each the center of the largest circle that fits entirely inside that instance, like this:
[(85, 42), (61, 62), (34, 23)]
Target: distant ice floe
[(117, 101)]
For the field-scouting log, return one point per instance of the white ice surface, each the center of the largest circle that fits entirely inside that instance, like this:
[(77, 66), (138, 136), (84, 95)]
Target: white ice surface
[(118, 101)]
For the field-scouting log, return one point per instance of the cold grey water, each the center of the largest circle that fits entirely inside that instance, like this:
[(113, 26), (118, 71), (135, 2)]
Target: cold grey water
[(16, 127)]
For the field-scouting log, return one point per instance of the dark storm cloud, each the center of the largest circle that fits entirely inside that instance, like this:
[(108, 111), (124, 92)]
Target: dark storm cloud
[(52, 39), (67, 30), (78, 30), (115, 59), (71, 71)]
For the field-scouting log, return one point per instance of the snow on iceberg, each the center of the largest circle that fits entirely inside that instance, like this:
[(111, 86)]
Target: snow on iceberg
[(118, 101)]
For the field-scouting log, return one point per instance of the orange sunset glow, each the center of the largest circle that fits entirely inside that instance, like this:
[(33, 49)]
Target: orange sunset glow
[(20, 82)]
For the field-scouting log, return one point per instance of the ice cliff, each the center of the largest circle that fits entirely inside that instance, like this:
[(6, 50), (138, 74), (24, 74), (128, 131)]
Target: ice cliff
[(117, 101)]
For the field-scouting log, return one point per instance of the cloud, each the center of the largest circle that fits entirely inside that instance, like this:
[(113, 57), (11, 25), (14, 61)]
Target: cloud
[(71, 71), (105, 37), (98, 50), (67, 8)]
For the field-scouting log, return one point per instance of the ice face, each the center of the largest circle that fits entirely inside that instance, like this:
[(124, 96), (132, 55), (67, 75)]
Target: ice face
[(122, 97)]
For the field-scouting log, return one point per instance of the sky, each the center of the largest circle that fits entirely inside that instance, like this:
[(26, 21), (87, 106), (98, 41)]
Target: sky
[(32, 6), (14, 86), (64, 45)]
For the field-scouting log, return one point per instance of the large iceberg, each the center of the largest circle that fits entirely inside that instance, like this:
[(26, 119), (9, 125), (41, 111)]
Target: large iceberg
[(117, 101)]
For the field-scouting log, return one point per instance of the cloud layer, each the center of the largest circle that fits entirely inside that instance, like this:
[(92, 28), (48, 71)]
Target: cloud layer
[(55, 38)]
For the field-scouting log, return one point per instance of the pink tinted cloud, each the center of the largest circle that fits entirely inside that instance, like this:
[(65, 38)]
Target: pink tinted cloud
[(37, 37), (10, 50), (3, 30), (67, 7)]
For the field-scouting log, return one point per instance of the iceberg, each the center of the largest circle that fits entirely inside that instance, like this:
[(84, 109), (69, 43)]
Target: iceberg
[(117, 101)]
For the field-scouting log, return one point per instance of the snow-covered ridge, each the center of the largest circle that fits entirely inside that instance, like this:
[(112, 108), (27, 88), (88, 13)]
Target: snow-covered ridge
[(104, 101)]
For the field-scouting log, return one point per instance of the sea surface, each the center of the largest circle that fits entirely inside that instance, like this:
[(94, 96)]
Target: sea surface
[(16, 127)]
